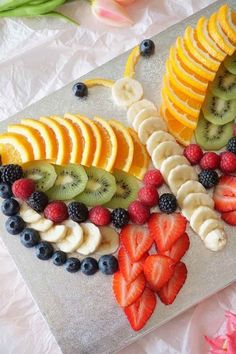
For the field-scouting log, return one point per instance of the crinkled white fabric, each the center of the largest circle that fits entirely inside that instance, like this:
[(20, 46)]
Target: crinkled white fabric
[(36, 58)]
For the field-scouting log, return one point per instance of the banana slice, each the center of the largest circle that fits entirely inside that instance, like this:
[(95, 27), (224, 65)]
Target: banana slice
[(54, 234), (92, 239), (42, 225), (142, 115), (179, 175), (136, 107), (208, 226), (200, 215), (164, 150), (215, 240), (150, 125), (110, 241), (126, 91), (187, 188), (73, 238), (170, 163), (28, 214), (156, 138), (195, 200)]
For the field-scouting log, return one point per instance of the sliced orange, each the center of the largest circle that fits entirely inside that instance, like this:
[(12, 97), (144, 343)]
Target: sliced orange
[(131, 62), (99, 82), (125, 146), (225, 18), (16, 149), (109, 145), (33, 137), (141, 158), (47, 135)]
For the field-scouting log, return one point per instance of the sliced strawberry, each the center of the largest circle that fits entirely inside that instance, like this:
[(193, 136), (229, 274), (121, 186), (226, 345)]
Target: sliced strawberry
[(158, 269), (179, 248), (166, 229), (127, 293), (141, 310), (137, 241), (130, 270), (229, 217), (225, 194), (169, 291)]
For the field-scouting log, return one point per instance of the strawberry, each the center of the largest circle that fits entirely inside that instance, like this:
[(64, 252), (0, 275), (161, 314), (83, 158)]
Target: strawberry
[(169, 291), (141, 310), (127, 293), (225, 194), (137, 241), (166, 229), (130, 270), (158, 269), (229, 217), (179, 248)]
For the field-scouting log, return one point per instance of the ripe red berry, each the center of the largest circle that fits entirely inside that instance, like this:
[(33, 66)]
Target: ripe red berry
[(228, 162), (138, 212), (56, 211), (100, 216), (23, 188), (153, 177), (148, 195), (193, 153), (210, 161)]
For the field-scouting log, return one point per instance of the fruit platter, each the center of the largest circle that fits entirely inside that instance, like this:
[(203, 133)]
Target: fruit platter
[(118, 192)]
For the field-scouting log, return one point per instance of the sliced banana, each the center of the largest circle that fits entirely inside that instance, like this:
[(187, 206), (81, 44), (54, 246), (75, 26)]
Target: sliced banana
[(187, 188), (208, 226), (110, 241), (28, 214), (195, 200), (215, 240), (201, 214), (136, 107), (150, 125), (54, 234), (179, 175), (42, 225), (92, 239), (164, 150), (156, 138), (171, 162), (73, 238), (126, 91), (142, 115)]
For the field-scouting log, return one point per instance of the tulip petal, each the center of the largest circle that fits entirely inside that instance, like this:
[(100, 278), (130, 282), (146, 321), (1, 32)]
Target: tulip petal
[(231, 322), (111, 13), (231, 343), (216, 342)]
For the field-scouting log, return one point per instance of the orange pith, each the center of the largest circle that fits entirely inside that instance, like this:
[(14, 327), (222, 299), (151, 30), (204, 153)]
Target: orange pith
[(14, 148), (141, 158), (226, 21)]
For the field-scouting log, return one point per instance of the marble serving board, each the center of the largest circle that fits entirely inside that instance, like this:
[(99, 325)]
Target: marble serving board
[(80, 310)]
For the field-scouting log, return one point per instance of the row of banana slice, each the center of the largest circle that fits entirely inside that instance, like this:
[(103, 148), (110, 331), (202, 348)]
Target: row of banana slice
[(167, 155), (85, 238)]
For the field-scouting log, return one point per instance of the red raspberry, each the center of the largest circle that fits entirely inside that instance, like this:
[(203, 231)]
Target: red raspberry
[(228, 162), (56, 212), (210, 161), (138, 212), (193, 153), (23, 188), (148, 195), (100, 216), (153, 177)]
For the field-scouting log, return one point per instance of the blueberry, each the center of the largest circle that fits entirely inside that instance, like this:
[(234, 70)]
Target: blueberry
[(147, 47), (44, 250), (72, 265), (10, 207), (80, 90), (59, 258), (89, 266), (14, 225), (108, 264), (5, 191), (29, 237)]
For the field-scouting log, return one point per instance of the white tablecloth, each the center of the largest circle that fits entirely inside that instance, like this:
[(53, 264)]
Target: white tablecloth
[(37, 57)]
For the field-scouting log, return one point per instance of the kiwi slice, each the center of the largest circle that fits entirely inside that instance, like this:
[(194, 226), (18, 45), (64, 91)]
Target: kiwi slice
[(219, 111), (42, 173), (99, 189), (224, 85), (126, 190), (230, 63), (213, 137), (71, 180)]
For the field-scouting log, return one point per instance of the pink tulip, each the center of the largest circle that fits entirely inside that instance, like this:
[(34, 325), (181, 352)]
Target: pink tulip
[(125, 2), (110, 13)]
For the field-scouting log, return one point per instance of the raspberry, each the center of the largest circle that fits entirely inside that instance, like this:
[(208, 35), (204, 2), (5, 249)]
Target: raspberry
[(23, 188), (38, 201), (100, 216), (153, 177), (138, 212), (228, 162), (119, 217), (11, 173), (56, 212), (193, 153), (210, 161), (148, 195)]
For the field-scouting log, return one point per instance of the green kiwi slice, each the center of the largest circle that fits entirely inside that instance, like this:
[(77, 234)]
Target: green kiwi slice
[(230, 63), (126, 190), (213, 137), (71, 180), (219, 111), (224, 85), (42, 173), (99, 189)]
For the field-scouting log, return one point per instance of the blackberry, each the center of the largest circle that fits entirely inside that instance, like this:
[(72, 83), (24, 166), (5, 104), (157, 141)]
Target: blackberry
[(38, 201), (208, 178), (167, 203), (231, 145), (78, 212), (11, 173), (119, 217)]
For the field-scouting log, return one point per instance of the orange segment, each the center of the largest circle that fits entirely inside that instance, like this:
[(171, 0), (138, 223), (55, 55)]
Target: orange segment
[(109, 144), (125, 146), (98, 82), (141, 158), (131, 62), (14, 148), (225, 18)]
